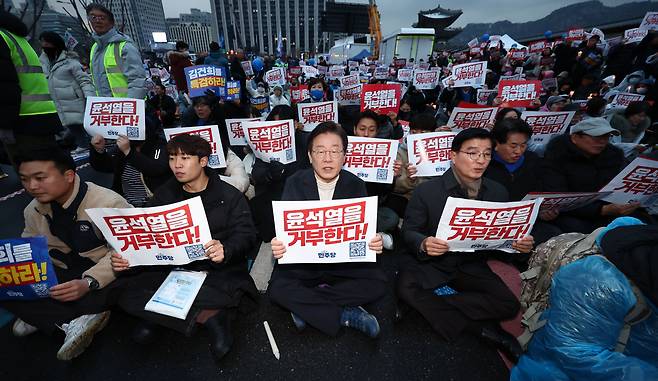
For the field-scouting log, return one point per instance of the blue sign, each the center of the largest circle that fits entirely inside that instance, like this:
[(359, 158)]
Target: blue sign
[(202, 78), (26, 271), (232, 91)]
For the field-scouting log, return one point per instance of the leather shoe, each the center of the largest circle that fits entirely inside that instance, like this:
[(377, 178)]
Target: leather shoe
[(221, 338), (145, 332), (504, 341)]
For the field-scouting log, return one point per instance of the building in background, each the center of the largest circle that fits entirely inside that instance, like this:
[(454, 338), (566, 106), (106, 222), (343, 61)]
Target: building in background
[(197, 35), (139, 19), (440, 20), (196, 16)]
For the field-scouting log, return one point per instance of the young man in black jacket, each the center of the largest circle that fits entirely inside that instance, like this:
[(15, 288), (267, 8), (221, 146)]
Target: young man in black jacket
[(233, 234)]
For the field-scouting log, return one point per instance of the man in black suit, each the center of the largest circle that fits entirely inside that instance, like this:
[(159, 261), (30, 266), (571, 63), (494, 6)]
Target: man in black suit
[(327, 296), (477, 299)]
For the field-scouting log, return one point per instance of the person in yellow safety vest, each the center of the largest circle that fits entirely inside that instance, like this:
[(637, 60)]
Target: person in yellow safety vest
[(115, 63), (29, 116)]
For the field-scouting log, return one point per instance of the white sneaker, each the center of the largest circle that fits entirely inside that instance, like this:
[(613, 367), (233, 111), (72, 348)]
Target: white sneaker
[(387, 240), (21, 328), (79, 333)]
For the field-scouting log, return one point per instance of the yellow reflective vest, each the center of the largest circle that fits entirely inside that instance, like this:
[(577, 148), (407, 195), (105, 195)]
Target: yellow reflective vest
[(113, 68)]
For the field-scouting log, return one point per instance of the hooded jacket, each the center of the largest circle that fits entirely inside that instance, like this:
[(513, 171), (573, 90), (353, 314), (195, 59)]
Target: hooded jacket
[(629, 132), (178, 61), (131, 62), (69, 86)]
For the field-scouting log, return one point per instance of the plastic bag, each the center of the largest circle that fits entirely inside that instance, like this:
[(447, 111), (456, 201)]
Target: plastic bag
[(588, 302)]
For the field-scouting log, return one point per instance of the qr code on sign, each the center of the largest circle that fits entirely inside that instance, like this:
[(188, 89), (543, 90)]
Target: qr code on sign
[(40, 289), (195, 251), (357, 249), (289, 154), (382, 174), (213, 160), (132, 132)]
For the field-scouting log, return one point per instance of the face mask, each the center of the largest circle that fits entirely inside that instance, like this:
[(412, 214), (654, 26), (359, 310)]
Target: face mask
[(634, 81), (316, 94), (642, 90), (50, 52)]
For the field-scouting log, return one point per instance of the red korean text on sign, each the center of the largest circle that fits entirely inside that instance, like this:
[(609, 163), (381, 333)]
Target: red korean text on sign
[(473, 119), (318, 114), (275, 138), (468, 72), (552, 124), (640, 181), (433, 149), (491, 224), (114, 114), (205, 133), (368, 155), (325, 226)]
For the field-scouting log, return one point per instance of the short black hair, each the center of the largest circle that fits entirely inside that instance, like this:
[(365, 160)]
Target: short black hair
[(595, 105), (503, 111), (193, 145), (214, 46), (180, 45), (636, 107), (313, 80), (367, 114), (62, 159), (55, 39), (468, 134), (102, 8), (284, 112), (504, 127), (423, 122), (201, 100), (161, 85), (327, 128)]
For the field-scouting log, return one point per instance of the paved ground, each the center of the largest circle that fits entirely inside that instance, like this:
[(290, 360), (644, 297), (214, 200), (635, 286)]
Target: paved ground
[(405, 351)]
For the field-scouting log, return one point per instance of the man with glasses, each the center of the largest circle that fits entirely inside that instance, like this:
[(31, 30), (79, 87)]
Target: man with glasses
[(115, 63), (458, 292), (585, 161)]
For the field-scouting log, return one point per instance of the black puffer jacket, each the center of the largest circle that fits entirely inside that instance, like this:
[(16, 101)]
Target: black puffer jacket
[(524, 180)]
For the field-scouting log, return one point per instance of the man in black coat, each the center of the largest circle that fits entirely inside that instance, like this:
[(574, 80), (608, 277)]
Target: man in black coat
[(233, 233), (477, 299)]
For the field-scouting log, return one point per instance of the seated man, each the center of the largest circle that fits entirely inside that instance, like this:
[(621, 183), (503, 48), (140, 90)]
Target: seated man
[(327, 296), (78, 304), (233, 235), (478, 299), (584, 161)]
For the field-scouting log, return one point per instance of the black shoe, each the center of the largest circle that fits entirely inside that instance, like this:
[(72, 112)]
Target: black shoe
[(145, 332), (504, 341), (221, 338)]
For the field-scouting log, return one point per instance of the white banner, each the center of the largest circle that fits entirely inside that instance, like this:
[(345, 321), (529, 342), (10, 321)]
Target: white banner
[(349, 80), (276, 76), (483, 96), (381, 72), (634, 35), (405, 75), (111, 117), (210, 134), (371, 159), (272, 141), (310, 71), (348, 96), (650, 21), (462, 118), (638, 182), (470, 74), (235, 131), (621, 100), (470, 225), (547, 124), (312, 114), (430, 152), (425, 79), (246, 67), (566, 201), (163, 235), (336, 72), (333, 231)]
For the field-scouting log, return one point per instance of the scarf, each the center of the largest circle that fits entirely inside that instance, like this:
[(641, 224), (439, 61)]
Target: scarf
[(511, 167), (471, 188)]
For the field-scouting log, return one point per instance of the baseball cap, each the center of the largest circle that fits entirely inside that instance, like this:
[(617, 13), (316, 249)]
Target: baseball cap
[(594, 127)]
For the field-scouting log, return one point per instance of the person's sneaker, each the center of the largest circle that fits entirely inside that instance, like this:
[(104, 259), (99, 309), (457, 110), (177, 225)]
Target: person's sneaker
[(387, 240), (299, 322), (21, 328), (79, 333), (361, 320)]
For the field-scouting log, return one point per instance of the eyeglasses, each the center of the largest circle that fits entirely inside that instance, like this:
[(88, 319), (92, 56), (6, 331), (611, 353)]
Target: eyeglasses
[(332, 153), (475, 156), (96, 17)]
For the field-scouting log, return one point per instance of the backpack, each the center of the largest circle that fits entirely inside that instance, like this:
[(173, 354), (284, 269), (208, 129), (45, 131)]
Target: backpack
[(544, 262)]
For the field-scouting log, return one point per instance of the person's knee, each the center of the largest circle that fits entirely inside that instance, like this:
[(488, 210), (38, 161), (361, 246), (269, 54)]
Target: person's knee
[(406, 285), (508, 306)]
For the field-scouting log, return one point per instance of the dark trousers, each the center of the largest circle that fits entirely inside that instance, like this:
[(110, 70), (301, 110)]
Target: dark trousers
[(318, 297), (79, 135), (481, 296)]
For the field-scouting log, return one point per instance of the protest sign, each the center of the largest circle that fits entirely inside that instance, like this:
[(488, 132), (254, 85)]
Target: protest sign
[(235, 131), (547, 124), (163, 235), (424, 66), (272, 140), (333, 231), (549, 83), (336, 72), (294, 71), (324, 70), (349, 80), (405, 130), (430, 152), (513, 77), (154, 72), (463, 118), (381, 98), (246, 67), (348, 96), (69, 41), (469, 74), (310, 71), (26, 271), (564, 202), (352, 64), (202, 78), (210, 134), (177, 293), (519, 93), (371, 159), (576, 34), (312, 114), (400, 62), (299, 93), (425, 79), (634, 35), (381, 72), (172, 92), (262, 104), (638, 182), (518, 55), (111, 117), (621, 100), (232, 91), (276, 76), (405, 75), (470, 225), (483, 96), (475, 51), (537, 47), (164, 75), (650, 21), (473, 43)]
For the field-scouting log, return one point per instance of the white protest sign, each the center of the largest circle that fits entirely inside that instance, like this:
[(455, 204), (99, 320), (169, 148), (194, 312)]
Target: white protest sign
[(405, 75), (470, 225), (425, 79), (547, 124), (164, 75), (111, 117), (70, 41), (246, 67), (163, 235), (210, 134), (634, 35), (312, 114), (621, 100), (650, 21), (349, 80), (564, 202), (462, 118), (638, 182), (336, 72), (276, 76), (381, 72), (348, 96), (483, 96), (469, 74), (371, 159), (473, 43), (310, 71), (334, 231), (235, 131), (430, 152), (272, 140)]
